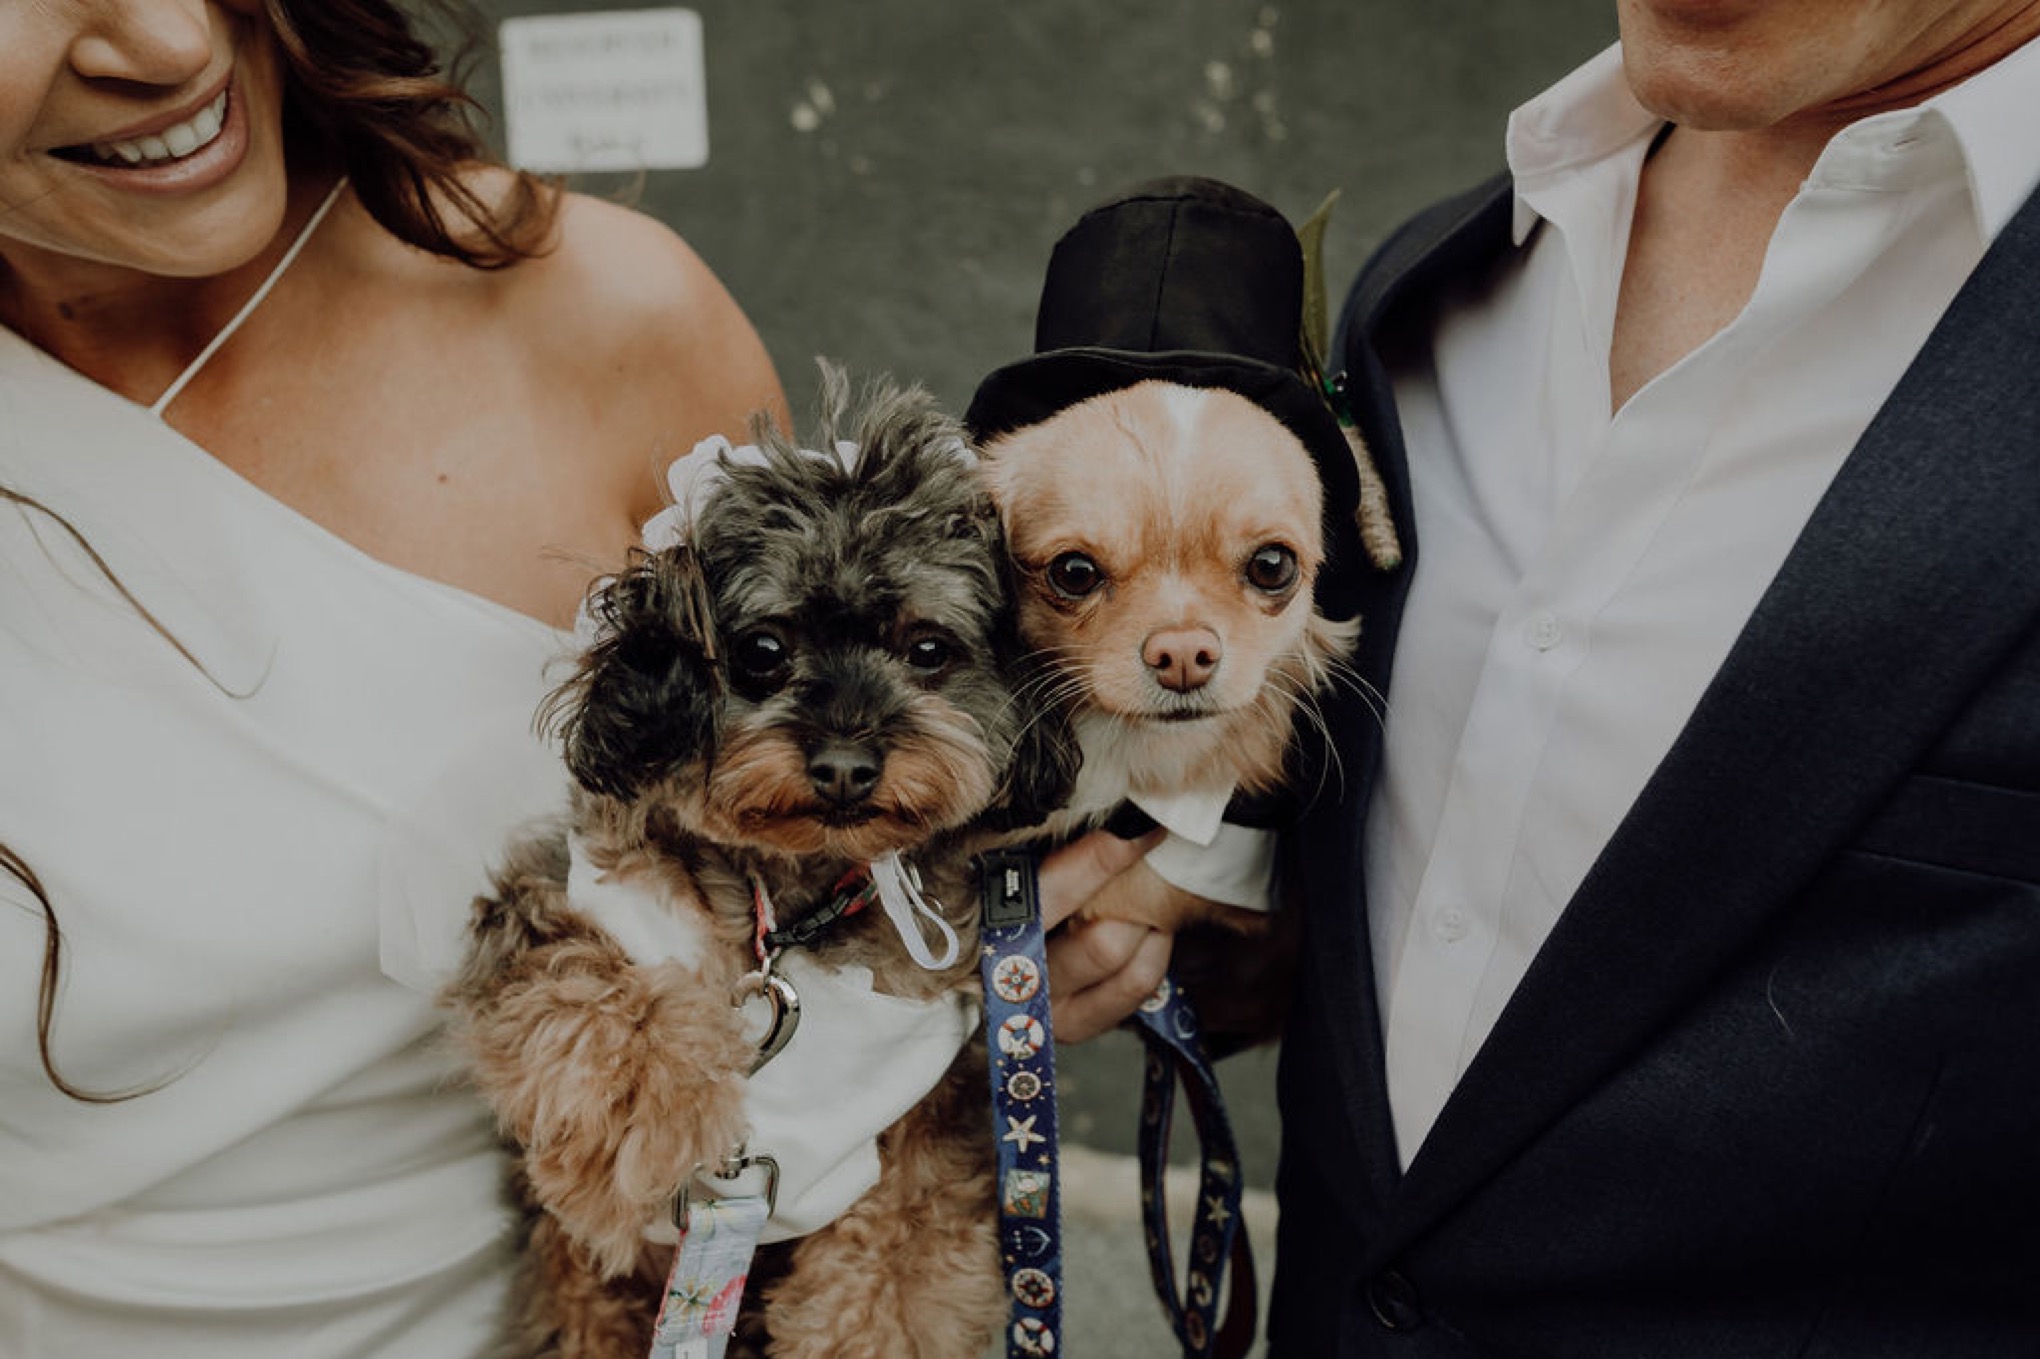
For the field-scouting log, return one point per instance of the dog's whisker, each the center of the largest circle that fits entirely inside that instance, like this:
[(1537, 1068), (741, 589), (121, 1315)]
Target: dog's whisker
[(1332, 770), (1377, 702), (1037, 716), (1054, 691)]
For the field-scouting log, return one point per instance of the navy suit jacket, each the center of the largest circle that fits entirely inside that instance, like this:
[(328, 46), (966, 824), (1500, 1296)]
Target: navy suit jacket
[(1772, 1087)]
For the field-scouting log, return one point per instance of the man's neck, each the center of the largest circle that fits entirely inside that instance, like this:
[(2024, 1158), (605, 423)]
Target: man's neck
[(1710, 200), (1705, 211), (1992, 38)]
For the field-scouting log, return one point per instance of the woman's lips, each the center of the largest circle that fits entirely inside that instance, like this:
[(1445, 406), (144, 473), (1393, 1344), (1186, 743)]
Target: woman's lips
[(195, 153), (156, 148)]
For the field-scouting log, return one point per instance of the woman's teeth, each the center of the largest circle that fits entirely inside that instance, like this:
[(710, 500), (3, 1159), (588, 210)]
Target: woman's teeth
[(172, 143)]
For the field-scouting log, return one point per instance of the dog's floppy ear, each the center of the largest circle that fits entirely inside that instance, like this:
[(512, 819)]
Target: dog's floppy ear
[(1046, 757), (1044, 766), (644, 699)]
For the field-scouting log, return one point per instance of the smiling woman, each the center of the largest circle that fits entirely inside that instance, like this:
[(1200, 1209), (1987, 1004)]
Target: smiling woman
[(314, 427), (166, 139), (77, 89)]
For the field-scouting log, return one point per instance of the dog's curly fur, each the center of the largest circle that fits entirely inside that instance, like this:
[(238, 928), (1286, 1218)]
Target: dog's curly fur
[(825, 673)]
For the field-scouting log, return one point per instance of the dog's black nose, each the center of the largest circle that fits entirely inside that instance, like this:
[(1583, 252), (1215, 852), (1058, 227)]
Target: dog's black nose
[(844, 772)]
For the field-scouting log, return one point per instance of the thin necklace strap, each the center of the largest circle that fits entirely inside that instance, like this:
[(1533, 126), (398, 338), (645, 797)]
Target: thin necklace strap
[(304, 235)]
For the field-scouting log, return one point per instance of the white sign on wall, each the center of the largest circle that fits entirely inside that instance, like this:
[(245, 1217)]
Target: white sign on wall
[(623, 90)]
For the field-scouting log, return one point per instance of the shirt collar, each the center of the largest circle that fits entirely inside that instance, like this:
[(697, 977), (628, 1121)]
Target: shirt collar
[(1191, 813), (1583, 118), (1985, 122), (1993, 114)]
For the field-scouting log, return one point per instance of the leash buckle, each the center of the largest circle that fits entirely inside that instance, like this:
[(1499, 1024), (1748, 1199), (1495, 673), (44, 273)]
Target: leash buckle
[(704, 1291), (1008, 889), (733, 1164)]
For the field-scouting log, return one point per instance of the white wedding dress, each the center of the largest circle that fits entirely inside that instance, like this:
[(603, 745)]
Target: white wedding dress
[(302, 1180)]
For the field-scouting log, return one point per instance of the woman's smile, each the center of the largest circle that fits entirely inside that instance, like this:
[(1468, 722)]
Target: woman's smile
[(172, 143), (177, 151), (148, 138)]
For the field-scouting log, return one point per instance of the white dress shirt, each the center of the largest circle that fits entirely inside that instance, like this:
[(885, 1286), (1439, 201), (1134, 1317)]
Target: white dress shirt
[(1583, 576)]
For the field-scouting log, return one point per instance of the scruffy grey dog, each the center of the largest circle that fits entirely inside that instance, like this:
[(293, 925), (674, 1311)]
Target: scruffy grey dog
[(825, 672)]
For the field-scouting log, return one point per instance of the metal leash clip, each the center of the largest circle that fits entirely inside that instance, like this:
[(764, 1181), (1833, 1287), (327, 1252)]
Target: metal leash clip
[(734, 1163), (780, 998)]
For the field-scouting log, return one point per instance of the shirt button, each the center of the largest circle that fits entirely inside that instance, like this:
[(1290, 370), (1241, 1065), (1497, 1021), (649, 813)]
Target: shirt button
[(1450, 925), (1395, 1302), (1543, 631)]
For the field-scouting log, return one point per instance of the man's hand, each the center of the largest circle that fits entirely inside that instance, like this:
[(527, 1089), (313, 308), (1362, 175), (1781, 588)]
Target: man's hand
[(1099, 970)]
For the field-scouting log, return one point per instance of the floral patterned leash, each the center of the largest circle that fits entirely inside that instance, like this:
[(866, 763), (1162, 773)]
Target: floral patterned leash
[(717, 1240), (719, 1235)]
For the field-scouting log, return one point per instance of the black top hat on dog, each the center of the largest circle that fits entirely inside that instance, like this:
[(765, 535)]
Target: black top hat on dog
[(1191, 281)]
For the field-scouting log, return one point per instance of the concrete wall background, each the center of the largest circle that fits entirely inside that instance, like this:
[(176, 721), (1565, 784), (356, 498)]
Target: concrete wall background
[(949, 142)]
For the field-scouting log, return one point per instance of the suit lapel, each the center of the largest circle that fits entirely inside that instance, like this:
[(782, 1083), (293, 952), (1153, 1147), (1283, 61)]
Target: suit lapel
[(1465, 232), (1460, 237), (1917, 573)]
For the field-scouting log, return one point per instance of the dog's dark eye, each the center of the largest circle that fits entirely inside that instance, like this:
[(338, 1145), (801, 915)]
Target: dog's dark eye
[(1074, 575), (929, 654), (760, 658), (1272, 569)]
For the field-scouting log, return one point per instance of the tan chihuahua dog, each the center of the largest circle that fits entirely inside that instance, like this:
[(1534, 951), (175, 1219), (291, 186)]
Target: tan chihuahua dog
[(1166, 539), (1181, 506)]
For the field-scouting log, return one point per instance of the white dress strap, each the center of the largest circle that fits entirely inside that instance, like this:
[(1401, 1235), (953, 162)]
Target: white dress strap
[(162, 403)]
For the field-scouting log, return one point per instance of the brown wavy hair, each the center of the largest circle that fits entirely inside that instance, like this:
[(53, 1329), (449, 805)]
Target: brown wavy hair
[(366, 90), (399, 120), (16, 867)]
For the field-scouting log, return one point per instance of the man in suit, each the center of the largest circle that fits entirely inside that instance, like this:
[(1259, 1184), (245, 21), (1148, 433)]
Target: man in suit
[(1670, 981)]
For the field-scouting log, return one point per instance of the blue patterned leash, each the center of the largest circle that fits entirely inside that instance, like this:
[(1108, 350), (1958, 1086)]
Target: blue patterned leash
[(1014, 964), (1175, 1052)]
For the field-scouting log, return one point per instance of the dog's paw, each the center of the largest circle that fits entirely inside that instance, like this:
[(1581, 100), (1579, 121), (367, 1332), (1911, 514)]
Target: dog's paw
[(617, 1080)]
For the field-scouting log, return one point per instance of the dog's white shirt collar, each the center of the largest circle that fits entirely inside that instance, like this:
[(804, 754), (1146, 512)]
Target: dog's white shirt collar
[(1236, 866), (1206, 855), (1195, 815)]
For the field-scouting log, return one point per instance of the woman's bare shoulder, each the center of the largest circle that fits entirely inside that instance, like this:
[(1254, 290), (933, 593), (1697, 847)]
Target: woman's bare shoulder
[(622, 286), (645, 328), (585, 369)]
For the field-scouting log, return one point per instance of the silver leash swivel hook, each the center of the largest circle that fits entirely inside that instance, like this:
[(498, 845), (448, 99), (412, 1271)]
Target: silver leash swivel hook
[(781, 1000)]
